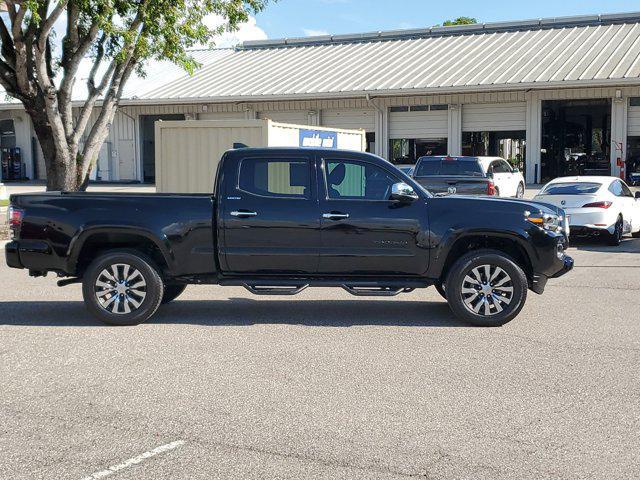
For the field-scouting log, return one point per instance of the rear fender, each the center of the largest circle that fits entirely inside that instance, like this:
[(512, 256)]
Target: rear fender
[(78, 242)]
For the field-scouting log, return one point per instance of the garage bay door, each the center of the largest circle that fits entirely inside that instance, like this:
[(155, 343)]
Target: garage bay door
[(494, 117), (297, 117), (633, 124), (349, 119), (418, 122)]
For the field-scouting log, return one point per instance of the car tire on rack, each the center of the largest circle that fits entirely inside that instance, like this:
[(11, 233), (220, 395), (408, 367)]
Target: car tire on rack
[(171, 292), (122, 287), (486, 288)]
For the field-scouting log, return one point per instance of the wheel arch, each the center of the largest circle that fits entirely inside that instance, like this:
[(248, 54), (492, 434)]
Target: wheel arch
[(92, 242), (512, 245)]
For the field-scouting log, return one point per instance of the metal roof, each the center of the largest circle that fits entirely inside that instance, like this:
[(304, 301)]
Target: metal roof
[(568, 51)]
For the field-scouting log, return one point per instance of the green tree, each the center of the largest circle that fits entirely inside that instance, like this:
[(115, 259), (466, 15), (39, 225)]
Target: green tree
[(118, 36), (459, 21)]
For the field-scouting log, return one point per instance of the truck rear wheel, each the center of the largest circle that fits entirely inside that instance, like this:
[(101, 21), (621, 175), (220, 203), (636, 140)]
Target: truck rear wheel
[(122, 287), (486, 288)]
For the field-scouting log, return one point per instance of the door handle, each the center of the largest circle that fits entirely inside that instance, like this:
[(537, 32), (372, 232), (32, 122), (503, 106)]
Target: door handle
[(236, 213), (335, 216)]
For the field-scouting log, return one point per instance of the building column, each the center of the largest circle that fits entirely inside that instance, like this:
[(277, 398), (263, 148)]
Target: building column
[(382, 132), (250, 112), (454, 135), (619, 113), (534, 138), (313, 117)]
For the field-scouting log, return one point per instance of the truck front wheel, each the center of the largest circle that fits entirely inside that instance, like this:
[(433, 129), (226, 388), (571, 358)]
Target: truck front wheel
[(486, 288), (171, 292), (122, 287)]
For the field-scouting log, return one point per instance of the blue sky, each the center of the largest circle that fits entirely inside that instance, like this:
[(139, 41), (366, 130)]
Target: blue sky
[(293, 18)]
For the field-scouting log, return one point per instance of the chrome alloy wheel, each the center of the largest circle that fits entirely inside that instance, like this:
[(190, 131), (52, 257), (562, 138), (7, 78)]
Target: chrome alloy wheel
[(120, 289), (487, 290)]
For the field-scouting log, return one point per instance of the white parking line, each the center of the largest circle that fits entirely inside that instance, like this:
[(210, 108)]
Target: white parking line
[(135, 460)]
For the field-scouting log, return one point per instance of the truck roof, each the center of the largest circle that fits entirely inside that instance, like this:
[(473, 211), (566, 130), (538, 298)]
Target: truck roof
[(321, 151)]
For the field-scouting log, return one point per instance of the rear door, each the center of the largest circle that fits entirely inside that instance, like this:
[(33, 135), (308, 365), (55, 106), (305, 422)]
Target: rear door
[(271, 220), (502, 177), (362, 231), (627, 201)]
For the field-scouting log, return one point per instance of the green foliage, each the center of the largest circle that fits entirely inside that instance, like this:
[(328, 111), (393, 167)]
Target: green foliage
[(155, 29), (459, 21)]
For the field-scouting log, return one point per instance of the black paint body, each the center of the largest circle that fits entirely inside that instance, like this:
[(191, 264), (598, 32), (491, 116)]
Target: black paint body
[(197, 240)]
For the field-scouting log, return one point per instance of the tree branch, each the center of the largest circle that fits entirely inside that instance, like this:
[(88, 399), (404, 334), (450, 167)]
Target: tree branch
[(8, 49)]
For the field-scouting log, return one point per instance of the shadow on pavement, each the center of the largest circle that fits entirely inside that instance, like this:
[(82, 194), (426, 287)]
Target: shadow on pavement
[(595, 244), (247, 311)]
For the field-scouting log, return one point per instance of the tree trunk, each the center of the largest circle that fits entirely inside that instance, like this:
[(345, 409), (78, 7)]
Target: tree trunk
[(61, 168)]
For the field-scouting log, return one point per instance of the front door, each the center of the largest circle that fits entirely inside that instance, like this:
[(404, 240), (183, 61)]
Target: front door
[(362, 231), (271, 216)]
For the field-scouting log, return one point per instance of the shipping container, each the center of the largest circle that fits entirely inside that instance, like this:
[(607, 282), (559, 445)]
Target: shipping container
[(188, 151)]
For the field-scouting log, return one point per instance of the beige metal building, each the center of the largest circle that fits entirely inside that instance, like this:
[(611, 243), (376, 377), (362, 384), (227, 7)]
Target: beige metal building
[(559, 96)]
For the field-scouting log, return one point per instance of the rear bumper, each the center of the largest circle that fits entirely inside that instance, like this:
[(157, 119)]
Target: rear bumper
[(12, 255)]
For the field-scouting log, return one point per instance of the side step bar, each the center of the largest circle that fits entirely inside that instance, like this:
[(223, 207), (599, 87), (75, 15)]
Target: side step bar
[(274, 290), (376, 291), (358, 291)]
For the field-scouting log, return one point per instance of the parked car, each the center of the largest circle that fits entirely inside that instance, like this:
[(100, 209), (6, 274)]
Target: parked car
[(285, 219), (447, 175), (603, 206)]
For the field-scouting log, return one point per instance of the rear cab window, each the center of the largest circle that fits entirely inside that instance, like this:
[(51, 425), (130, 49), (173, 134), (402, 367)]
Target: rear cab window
[(448, 166), (571, 188), (272, 177)]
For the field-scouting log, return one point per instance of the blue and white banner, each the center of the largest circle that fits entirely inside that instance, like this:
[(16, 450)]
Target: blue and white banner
[(318, 139)]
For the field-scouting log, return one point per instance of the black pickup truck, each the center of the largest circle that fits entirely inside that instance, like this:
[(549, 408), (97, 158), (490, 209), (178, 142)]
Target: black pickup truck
[(285, 219)]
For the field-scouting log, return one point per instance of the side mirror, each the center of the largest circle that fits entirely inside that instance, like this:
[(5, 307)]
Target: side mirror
[(637, 195), (403, 193), (516, 170)]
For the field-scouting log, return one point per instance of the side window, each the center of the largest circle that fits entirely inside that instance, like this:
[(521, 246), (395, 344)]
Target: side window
[(626, 191), (616, 188), (275, 178), (353, 180), (506, 168), (496, 167)]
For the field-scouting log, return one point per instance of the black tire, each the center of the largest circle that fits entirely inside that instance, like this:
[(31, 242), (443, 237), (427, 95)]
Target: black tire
[(171, 292), (440, 287), (503, 305), (126, 284), (497, 192), (614, 239), (520, 191), (636, 234)]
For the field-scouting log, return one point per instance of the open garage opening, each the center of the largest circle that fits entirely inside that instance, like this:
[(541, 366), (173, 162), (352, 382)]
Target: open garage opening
[(576, 138)]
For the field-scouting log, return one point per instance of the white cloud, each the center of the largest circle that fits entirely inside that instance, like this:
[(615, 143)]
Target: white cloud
[(247, 31), (309, 32)]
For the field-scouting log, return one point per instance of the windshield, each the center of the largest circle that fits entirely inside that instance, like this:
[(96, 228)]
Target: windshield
[(573, 188), (448, 167)]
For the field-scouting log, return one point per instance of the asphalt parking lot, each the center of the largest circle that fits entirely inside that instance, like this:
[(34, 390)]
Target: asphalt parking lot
[(221, 384)]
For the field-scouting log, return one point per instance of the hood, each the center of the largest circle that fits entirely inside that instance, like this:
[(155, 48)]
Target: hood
[(490, 204)]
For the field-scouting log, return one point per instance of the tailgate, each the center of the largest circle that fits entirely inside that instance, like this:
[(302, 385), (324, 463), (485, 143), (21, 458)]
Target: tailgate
[(454, 185)]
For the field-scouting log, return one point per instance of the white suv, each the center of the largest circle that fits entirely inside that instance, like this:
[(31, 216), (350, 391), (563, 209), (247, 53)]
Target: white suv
[(508, 181)]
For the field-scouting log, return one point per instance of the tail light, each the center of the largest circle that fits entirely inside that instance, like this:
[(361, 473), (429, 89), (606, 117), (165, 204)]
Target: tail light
[(491, 189), (14, 219), (597, 205)]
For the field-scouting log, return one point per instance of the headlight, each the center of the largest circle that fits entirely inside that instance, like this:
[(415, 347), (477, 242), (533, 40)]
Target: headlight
[(547, 221)]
